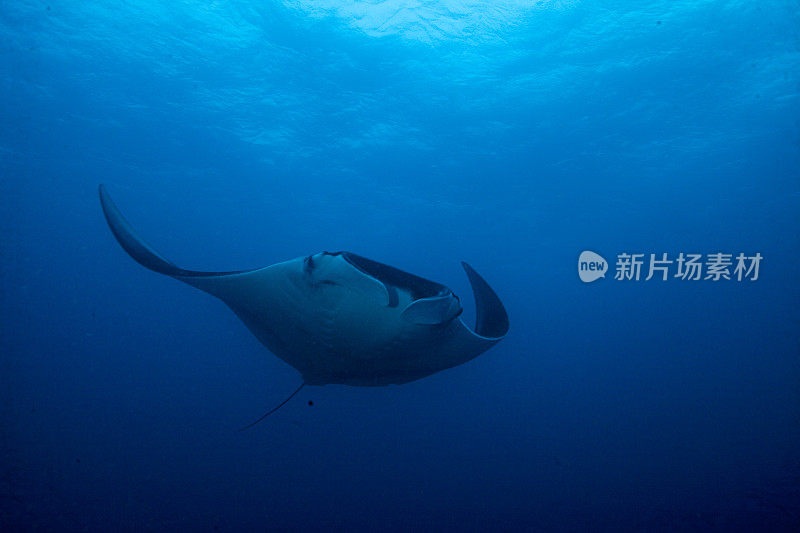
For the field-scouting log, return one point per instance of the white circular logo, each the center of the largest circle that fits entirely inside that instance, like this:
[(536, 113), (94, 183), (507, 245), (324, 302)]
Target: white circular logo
[(591, 266)]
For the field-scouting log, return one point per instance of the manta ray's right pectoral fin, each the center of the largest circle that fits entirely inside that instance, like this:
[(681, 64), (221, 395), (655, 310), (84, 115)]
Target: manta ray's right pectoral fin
[(139, 250)]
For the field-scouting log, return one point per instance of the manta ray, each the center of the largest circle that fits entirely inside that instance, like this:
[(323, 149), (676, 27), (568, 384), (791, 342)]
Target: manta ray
[(340, 318)]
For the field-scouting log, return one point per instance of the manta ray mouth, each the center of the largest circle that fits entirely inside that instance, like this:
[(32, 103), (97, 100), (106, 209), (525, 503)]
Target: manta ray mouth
[(395, 279)]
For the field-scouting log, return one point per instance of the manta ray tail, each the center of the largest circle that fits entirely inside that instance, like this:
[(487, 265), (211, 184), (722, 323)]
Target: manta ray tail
[(284, 402)]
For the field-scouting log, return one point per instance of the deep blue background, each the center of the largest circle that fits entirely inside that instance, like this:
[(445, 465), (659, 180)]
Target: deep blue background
[(418, 133)]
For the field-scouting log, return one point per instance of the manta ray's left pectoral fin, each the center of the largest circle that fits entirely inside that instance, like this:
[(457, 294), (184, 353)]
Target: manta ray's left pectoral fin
[(491, 320)]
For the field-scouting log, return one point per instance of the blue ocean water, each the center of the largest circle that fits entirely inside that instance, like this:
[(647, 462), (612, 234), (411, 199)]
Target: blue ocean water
[(510, 134)]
